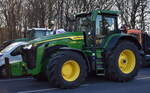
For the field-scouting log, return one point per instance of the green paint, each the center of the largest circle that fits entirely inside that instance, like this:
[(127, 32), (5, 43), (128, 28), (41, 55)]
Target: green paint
[(99, 53), (99, 62), (77, 44), (109, 12), (17, 69), (45, 38), (39, 56)]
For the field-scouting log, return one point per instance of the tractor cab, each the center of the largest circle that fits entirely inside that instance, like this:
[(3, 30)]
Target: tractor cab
[(96, 25), (37, 32)]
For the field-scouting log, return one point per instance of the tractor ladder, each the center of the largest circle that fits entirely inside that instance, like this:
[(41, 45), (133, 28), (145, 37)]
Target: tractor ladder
[(100, 71)]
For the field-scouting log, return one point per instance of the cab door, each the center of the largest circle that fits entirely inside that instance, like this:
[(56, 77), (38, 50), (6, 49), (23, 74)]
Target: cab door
[(105, 25)]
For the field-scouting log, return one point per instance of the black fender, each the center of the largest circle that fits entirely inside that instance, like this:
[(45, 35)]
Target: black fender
[(50, 50), (115, 40)]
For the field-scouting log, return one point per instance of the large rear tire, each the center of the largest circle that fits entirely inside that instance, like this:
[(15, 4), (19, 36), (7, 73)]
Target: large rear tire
[(66, 69), (124, 62)]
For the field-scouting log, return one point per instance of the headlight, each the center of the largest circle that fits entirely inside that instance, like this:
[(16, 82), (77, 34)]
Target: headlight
[(28, 47), (1, 54)]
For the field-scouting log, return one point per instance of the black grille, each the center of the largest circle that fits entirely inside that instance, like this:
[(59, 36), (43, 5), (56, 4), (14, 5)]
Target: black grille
[(29, 57)]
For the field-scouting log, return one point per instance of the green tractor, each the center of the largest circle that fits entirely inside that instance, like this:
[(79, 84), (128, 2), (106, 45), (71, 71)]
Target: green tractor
[(16, 67), (30, 35), (95, 46)]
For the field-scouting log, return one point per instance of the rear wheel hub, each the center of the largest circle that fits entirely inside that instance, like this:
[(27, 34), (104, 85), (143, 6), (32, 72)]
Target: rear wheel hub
[(127, 61)]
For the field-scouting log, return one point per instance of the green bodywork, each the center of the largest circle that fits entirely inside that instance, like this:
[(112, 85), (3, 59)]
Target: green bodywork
[(55, 40), (74, 44), (76, 41), (17, 69)]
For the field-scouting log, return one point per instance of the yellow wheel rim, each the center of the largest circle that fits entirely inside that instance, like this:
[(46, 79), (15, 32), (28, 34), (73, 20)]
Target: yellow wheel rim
[(127, 61), (70, 70)]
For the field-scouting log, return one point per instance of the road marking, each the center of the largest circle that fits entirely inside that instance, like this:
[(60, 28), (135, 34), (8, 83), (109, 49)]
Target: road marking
[(15, 79), (85, 85), (18, 79), (40, 90), (141, 78)]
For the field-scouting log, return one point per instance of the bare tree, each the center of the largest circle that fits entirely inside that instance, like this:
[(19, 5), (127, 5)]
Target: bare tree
[(143, 14), (66, 8), (17, 16), (11, 10), (133, 12)]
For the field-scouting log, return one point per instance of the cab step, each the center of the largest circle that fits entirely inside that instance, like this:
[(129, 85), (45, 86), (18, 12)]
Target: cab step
[(100, 74), (99, 67)]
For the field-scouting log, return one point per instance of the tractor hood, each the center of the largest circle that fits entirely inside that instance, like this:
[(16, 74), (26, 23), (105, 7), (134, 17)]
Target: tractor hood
[(67, 35)]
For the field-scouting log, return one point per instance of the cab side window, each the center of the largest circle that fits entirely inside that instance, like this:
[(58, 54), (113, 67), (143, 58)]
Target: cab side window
[(98, 25), (104, 25), (99, 30), (108, 25)]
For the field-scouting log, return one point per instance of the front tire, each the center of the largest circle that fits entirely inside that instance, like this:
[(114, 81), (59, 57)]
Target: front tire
[(124, 62), (67, 69)]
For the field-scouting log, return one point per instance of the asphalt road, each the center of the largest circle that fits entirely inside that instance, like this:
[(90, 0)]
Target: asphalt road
[(141, 84)]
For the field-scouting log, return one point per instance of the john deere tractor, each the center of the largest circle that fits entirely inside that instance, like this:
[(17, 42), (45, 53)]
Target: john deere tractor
[(95, 46)]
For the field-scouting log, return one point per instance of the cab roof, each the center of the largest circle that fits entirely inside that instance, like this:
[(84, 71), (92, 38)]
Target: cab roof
[(109, 12), (36, 29)]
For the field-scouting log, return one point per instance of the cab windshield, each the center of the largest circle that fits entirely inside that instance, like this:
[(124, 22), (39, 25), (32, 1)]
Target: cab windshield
[(38, 33), (84, 23), (104, 24)]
